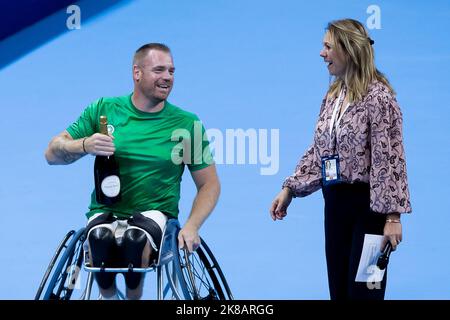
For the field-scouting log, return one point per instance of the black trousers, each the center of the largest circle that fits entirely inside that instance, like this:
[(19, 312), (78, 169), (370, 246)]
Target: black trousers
[(347, 219)]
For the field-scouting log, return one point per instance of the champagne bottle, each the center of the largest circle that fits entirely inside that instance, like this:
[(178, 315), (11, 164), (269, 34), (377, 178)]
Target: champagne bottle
[(106, 174)]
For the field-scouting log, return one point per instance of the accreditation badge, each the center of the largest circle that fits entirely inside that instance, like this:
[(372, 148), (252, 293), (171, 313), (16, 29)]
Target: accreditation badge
[(330, 170)]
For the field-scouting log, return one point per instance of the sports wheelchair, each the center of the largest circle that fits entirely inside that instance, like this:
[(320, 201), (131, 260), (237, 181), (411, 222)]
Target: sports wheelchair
[(179, 275)]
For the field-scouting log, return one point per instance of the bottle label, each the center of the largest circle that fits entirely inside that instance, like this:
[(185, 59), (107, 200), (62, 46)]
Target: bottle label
[(110, 129), (111, 186)]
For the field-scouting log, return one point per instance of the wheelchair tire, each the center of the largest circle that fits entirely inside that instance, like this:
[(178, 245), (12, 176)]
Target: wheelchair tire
[(69, 257)]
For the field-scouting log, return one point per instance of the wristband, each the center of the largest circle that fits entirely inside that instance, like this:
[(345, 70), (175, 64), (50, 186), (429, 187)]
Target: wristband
[(393, 220), (83, 145)]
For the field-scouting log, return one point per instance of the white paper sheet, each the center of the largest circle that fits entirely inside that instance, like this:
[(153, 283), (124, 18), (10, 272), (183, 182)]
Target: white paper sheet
[(367, 269)]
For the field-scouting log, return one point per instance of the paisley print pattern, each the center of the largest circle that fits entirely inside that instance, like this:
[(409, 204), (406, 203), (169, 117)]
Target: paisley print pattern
[(370, 147)]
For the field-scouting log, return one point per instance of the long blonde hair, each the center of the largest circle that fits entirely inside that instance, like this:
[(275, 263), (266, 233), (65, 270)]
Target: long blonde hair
[(352, 39)]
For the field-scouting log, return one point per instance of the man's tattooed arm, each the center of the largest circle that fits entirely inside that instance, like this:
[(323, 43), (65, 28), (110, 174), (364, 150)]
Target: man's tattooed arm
[(62, 149)]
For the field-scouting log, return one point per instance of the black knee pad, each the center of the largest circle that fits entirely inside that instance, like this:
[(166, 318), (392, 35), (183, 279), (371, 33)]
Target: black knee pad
[(102, 244), (133, 243)]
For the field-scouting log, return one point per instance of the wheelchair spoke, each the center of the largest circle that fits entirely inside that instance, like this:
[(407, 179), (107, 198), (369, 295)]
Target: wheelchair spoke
[(198, 276), (203, 278)]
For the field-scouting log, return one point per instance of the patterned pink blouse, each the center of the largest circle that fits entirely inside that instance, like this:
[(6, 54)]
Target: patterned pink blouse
[(370, 148)]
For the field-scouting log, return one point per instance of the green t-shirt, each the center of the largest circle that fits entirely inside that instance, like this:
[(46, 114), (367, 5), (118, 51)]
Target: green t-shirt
[(151, 150)]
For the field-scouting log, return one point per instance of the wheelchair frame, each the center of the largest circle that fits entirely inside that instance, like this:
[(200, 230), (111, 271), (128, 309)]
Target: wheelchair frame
[(180, 276)]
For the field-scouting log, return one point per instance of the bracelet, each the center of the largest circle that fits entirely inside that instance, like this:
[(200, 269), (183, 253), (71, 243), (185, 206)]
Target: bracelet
[(393, 220), (83, 145)]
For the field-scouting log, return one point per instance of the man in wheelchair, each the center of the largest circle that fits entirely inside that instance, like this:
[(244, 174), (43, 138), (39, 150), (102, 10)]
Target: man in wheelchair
[(153, 140)]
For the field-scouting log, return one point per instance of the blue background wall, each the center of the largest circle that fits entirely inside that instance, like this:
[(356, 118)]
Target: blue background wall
[(240, 64)]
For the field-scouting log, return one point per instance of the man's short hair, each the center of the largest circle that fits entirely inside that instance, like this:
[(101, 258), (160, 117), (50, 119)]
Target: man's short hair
[(142, 51)]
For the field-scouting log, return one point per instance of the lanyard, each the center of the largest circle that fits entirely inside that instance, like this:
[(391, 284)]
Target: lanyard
[(333, 117), (336, 107)]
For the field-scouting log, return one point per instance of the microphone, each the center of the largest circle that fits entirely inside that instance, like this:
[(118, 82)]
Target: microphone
[(383, 260)]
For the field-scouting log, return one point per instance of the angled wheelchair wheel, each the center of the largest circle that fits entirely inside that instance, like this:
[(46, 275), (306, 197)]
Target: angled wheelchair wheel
[(184, 276), (203, 276), (195, 276), (61, 276)]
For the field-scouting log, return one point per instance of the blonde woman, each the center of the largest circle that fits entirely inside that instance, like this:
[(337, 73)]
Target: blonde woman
[(359, 132)]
